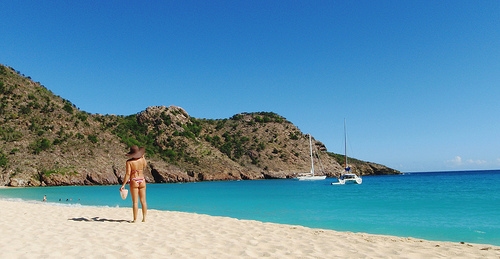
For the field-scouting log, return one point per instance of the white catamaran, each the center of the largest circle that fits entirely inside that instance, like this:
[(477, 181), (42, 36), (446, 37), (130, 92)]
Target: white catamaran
[(347, 176), (310, 176)]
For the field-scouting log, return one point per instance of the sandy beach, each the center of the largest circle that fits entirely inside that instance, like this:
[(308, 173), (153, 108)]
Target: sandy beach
[(42, 230)]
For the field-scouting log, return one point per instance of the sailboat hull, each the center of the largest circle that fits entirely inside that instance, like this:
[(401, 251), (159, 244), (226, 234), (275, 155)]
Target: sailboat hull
[(311, 178), (349, 178)]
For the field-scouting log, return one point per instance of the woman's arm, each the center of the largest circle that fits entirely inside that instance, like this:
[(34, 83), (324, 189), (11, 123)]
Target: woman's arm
[(144, 163), (127, 174)]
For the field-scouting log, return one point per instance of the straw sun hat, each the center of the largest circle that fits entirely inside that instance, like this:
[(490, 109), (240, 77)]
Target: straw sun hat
[(136, 152)]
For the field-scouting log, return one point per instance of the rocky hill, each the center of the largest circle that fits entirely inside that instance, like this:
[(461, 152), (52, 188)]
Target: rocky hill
[(46, 140)]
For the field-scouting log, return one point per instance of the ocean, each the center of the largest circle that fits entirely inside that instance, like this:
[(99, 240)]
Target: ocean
[(461, 206)]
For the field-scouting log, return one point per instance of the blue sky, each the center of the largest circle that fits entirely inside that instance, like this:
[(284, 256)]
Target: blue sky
[(417, 81)]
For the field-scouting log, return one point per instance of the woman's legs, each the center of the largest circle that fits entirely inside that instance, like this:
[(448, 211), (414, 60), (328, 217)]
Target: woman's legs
[(138, 191), (142, 196), (134, 191)]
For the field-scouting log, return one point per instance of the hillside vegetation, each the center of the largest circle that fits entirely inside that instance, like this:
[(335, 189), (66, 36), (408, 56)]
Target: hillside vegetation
[(46, 140)]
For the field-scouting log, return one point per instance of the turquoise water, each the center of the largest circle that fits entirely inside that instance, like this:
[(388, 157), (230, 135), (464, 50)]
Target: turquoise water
[(447, 206)]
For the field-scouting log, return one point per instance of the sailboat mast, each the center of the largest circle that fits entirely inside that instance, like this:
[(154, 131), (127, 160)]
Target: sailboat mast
[(311, 151), (345, 146)]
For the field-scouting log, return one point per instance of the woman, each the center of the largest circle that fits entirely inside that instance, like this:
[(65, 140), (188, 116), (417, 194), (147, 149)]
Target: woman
[(135, 166)]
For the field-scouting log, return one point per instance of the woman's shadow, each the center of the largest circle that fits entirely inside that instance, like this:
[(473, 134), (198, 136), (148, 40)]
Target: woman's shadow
[(97, 219)]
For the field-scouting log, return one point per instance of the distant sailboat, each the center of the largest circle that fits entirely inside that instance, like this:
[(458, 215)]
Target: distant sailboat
[(347, 176), (310, 176)]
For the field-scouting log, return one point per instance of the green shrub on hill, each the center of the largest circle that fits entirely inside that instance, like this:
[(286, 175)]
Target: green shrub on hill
[(40, 145), (9, 134), (132, 133), (68, 107), (3, 159)]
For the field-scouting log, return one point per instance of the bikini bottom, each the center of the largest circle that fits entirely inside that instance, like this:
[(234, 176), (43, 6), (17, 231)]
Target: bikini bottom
[(138, 180)]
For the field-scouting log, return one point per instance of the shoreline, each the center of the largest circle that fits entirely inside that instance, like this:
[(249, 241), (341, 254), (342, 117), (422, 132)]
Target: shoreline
[(40, 229)]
